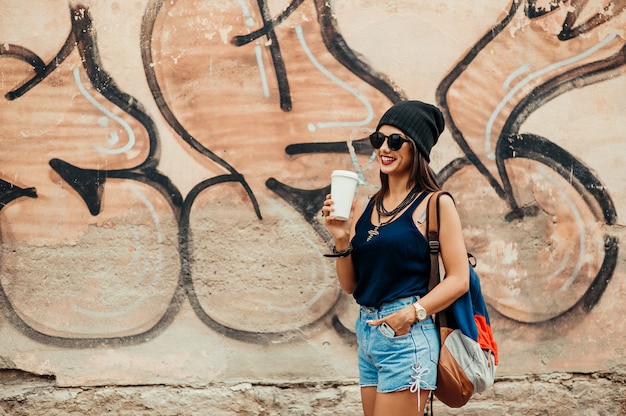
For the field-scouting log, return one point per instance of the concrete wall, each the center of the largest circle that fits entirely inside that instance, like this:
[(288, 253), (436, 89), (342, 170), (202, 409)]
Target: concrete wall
[(163, 164)]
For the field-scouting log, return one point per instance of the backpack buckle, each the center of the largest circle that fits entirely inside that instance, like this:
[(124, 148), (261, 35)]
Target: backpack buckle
[(434, 246)]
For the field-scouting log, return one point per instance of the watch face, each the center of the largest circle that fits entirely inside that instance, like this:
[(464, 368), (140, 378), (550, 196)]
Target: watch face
[(421, 314)]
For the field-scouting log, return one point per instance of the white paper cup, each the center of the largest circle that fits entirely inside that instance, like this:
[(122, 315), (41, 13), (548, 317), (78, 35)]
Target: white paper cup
[(342, 189)]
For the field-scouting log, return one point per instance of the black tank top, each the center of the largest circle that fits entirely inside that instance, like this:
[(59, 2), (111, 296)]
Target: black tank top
[(393, 264)]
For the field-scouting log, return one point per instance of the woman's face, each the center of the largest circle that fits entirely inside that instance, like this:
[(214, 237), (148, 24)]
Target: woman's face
[(398, 162)]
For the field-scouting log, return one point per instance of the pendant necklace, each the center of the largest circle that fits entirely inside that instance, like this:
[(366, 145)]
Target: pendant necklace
[(374, 231), (381, 211)]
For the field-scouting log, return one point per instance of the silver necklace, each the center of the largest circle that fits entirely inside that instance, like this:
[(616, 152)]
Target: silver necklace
[(374, 231), (381, 211)]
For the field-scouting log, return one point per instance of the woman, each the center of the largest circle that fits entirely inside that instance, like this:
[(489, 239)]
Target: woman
[(382, 259)]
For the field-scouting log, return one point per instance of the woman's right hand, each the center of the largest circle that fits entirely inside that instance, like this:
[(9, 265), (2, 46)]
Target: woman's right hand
[(339, 229)]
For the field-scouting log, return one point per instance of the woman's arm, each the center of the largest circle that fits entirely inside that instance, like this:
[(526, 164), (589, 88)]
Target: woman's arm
[(342, 232), (454, 257)]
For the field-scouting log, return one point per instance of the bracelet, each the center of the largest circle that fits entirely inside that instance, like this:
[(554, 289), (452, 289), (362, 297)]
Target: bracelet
[(344, 253)]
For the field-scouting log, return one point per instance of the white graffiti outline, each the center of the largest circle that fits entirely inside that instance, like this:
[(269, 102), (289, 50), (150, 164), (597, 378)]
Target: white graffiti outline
[(258, 51), (114, 138), (368, 106), (489, 126), (149, 268), (547, 175)]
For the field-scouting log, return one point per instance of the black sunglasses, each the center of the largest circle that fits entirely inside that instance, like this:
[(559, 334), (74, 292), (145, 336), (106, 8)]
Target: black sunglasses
[(394, 141)]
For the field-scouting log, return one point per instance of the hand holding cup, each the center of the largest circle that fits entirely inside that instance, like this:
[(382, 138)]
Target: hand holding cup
[(342, 190)]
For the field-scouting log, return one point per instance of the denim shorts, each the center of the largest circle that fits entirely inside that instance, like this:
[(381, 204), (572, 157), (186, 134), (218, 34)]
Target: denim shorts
[(407, 361)]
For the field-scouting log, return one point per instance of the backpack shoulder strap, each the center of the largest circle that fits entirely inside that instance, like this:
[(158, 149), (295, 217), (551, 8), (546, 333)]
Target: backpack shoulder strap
[(432, 227)]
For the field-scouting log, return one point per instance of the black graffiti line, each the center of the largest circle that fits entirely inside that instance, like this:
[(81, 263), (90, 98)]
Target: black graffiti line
[(334, 43), (522, 109), (10, 192), (302, 200), (88, 182), (579, 77), (453, 75), (82, 36), (284, 92), (569, 30), (262, 338), (23, 54), (85, 35), (341, 51), (149, 19), (539, 149), (510, 144), (8, 312), (41, 70), (269, 24)]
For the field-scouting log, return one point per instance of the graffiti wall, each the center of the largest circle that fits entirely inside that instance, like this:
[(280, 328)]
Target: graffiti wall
[(163, 166)]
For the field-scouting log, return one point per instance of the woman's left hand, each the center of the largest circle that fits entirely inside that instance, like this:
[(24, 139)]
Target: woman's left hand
[(400, 321)]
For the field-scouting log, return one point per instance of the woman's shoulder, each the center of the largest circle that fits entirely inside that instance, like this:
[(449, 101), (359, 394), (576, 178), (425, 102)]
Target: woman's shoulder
[(447, 206), (447, 197), (443, 195), (446, 202)]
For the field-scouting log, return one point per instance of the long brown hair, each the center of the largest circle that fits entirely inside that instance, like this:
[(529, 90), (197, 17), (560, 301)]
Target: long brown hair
[(421, 176)]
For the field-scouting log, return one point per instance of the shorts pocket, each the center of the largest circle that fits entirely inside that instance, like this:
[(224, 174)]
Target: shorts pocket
[(359, 331), (431, 335), (395, 338)]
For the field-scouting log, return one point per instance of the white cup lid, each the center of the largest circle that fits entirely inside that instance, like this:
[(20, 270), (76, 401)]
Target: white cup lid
[(346, 173)]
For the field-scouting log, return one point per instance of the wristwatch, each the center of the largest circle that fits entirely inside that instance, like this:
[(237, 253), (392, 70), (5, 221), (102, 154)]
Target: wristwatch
[(420, 312)]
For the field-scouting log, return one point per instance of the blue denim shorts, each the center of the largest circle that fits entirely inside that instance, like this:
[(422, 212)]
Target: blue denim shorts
[(396, 363)]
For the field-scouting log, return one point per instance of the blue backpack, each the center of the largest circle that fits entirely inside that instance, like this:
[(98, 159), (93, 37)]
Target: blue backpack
[(469, 353)]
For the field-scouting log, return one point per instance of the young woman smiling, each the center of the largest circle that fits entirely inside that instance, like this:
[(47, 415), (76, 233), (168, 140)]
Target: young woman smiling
[(382, 259)]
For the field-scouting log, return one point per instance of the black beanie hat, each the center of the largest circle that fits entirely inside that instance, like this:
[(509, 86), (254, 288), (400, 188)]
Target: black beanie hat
[(421, 122)]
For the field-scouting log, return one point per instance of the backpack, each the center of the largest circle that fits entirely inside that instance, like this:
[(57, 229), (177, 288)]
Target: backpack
[(469, 353)]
